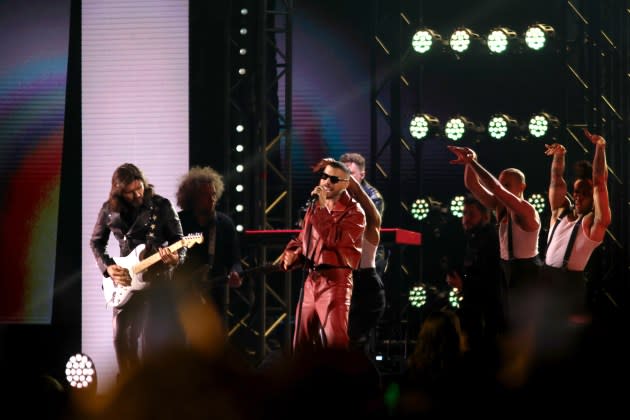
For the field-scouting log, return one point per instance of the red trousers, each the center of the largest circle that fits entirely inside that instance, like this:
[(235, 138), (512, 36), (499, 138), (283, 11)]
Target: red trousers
[(322, 318)]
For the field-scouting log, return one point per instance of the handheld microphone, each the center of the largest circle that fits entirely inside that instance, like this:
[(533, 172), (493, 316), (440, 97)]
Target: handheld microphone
[(314, 198)]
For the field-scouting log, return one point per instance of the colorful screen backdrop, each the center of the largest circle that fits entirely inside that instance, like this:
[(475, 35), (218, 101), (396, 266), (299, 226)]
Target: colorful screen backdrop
[(34, 43)]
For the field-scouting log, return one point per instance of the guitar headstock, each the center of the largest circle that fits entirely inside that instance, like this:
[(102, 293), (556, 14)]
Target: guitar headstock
[(192, 239)]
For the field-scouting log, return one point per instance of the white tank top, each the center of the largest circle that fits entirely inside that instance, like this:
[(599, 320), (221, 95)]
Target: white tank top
[(368, 255), (524, 244), (582, 248)]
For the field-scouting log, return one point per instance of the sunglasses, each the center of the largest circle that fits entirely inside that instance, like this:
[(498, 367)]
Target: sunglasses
[(333, 178)]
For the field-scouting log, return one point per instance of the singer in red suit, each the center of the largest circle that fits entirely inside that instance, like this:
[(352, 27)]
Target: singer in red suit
[(328, 248)]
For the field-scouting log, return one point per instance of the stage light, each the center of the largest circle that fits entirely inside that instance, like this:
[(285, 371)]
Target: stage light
[(457, 206), (420, 208), (461, 39), (417, 296), (240, 168), (422, 124), (541, 124), (500, 124), (499, 39), (239, 148), (239, 188), (538, 201), (455, 297), (536, 35), (239, 228), (239, 208), (423, 39), (457, 127), (80, 371)]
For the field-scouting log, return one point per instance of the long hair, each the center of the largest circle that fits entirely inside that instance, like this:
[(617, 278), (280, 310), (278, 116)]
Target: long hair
[(195, 178), (124, 175)]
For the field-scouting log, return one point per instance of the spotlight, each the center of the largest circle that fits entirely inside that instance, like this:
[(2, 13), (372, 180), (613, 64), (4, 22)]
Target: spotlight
[(538, 201), (422, 124), (420, 208), (499, 39), (500, 124), (455, 297), (80, 372), (423, 39), (457, 206), (537, 35), (457, 127), (417, 296), (461, 39), (540, 124)]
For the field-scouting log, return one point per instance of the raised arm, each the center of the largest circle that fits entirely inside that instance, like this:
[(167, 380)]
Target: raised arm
[(601, 204), (465, 156), (372, 216), (557, 185), (524, 213)]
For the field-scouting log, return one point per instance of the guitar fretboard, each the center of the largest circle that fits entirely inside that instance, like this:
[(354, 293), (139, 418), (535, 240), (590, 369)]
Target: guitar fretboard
[(149, 261)]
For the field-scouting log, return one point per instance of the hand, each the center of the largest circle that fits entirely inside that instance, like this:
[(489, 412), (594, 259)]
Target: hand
[(234, 279), (554, 149), (119, 275), (322, 164), (321, 193), (464, 155), (594, 138), (288, 259), (168, 257)]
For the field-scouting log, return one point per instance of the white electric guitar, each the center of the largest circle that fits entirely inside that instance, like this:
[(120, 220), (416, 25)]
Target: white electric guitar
[(117, 295)]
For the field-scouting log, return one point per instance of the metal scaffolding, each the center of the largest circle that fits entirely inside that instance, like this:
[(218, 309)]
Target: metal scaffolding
[(598, 96), (259, 98)]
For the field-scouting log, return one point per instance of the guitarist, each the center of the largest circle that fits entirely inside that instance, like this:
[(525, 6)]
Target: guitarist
[(135, 215), (218, 256)]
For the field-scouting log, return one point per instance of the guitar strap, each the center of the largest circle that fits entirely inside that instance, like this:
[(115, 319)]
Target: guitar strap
[(212, 240)]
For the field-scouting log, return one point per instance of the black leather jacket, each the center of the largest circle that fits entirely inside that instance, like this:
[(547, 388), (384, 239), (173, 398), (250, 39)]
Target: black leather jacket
[(156, 225)]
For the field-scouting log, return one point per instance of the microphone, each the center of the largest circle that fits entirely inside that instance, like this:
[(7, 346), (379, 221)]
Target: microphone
[(314, 199)]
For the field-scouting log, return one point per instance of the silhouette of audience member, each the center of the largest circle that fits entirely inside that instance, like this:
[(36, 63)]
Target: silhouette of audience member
[(440, 379)]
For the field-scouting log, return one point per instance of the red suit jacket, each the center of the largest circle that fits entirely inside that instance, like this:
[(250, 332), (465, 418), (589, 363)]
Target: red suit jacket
[(331, 237)]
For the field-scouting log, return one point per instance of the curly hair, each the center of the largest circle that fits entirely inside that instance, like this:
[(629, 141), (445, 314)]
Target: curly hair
[(195, 178)]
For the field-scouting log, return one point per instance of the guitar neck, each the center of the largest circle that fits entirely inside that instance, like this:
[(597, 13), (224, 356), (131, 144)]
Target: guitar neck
[(149, 261)]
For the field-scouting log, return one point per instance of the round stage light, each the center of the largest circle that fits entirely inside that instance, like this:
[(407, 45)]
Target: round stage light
[(420, 208), (421, 124), (540, 124), (417, 296), (455, 297), (455, 128), (457, 206), (80, 372), (422, 40), (536, 35), (499, 126), (499, 39), (538, 201), (460, 40)]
